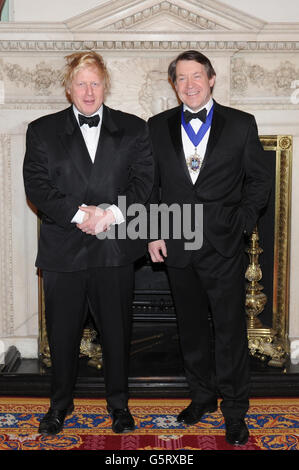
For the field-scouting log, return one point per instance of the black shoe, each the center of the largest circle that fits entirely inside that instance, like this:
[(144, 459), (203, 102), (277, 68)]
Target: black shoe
[(237, 433), (122, 420), (194, 412), (52, 422)]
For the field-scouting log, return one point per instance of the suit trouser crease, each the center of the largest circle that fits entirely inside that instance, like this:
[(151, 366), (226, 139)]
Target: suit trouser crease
[(215, 347), (108, 292)]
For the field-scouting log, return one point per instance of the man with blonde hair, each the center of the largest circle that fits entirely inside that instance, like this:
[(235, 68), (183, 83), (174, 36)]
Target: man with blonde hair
[(77, 160)]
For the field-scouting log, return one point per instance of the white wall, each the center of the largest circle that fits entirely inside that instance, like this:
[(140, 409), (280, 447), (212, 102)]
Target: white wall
[(49, 10), (268, 10)]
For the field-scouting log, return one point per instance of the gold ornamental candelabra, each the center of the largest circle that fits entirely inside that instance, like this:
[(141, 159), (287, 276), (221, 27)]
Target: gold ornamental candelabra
[(263, 342)]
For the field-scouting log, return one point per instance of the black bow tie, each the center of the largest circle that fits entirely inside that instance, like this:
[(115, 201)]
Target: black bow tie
[(202, 115), (92, 121)]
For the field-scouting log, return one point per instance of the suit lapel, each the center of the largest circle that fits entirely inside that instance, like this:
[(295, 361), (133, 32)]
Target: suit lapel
[(217, 126), (174, 125), (216, 129), (74, 144)]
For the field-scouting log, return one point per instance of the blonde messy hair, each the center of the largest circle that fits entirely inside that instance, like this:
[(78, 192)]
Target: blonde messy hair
[(79, 60)]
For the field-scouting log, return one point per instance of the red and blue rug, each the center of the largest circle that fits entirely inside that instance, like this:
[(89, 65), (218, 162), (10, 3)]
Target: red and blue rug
[(273, 425)]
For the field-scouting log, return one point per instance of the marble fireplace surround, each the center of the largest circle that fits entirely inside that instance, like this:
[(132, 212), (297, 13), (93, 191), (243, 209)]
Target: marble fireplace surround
[(257, 66)]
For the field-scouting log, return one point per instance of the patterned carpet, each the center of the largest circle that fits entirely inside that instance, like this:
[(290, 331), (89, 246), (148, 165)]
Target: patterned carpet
[(273, 424)]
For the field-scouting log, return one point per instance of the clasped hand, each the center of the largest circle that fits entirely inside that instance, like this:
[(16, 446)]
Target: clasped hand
[(96, 220)]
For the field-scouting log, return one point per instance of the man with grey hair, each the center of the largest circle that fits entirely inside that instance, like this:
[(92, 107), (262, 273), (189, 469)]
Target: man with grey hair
[(211, 155)]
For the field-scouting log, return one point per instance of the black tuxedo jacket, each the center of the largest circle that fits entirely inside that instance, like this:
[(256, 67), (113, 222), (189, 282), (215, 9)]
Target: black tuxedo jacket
[(233, 184), (59, 176)]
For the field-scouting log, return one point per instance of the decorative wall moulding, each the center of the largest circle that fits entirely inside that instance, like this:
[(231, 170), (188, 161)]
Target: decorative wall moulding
[(132, 14), (163, 15), (253, 78), (132, 45), (263, 79), (42, 77)]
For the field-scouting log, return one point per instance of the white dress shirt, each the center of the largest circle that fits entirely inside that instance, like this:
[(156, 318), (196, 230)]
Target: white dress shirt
[(91, 137), (188, 146)]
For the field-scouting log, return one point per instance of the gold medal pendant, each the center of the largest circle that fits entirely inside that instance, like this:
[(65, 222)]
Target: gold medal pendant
[(194, 162)]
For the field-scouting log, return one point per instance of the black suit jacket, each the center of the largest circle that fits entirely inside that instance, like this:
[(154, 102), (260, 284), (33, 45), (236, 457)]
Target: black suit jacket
[(233, 184), (59, 176)]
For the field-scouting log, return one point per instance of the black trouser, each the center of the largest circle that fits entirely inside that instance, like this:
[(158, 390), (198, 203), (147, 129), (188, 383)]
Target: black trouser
[(216, 358), (109, 293)]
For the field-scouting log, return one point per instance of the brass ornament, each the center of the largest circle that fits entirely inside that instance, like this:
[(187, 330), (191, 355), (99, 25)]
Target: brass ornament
[(285, 142), (88, 346), (255, 298), (263, 342)]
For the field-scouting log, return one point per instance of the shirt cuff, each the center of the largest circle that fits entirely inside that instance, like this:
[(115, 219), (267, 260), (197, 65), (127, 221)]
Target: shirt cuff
[(79, 216), (119, 218)]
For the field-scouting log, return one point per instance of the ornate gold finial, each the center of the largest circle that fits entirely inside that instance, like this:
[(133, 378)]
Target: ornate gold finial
[(255, 298), (262, 341)]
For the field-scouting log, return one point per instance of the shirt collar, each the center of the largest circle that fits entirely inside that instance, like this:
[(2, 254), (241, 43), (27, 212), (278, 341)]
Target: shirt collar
[(208, 106), (99, 112)]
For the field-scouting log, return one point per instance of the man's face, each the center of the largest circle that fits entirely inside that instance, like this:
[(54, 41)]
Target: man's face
[(87, 90), (192, 84)]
